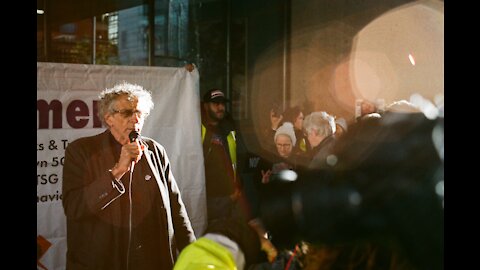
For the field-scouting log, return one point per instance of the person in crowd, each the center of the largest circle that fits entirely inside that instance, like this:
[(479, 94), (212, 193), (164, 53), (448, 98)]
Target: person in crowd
[(273, 169), (224, 150), (403, 106), (398, 106), (122, 204), (364, 107), (341, 126), (273, 165), (227, 244), (276, 117), (320, 129), (295, 116), (369, 116), (367, 109), (284, 159), (363, 212), (221, 143)]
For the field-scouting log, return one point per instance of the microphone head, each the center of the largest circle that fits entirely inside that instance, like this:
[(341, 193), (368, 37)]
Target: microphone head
[(133, 135)]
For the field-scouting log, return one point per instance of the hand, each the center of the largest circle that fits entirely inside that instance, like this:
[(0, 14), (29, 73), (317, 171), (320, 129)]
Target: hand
[(266, 176), (257, 225), (236, 195), (130, 152), (269, 249), (190, 67)]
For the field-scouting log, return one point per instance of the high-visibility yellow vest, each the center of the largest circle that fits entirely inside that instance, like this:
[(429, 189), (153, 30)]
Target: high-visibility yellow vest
[(232, 148), (205, 254)]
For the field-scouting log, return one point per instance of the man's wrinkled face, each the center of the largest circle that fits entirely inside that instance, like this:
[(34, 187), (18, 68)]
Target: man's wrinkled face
[(126, 116)]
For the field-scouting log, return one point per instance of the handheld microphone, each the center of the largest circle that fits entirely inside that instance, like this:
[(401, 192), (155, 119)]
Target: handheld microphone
[(134, 135)]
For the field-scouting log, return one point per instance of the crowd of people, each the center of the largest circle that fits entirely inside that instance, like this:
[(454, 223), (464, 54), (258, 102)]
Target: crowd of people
[(124, 209)]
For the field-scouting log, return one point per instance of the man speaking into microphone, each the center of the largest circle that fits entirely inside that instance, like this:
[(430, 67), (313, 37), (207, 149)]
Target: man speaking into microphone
[(123, 207)]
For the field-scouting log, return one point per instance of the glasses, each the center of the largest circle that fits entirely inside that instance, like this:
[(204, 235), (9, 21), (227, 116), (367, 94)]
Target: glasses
[(283, 145), (127, 113)]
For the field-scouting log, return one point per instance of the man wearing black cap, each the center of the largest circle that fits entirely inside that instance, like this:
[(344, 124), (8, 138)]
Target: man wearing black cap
[(223, 150), (220, 157)]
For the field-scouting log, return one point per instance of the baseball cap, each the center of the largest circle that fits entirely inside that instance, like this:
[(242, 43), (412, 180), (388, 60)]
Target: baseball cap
[(214, 95)]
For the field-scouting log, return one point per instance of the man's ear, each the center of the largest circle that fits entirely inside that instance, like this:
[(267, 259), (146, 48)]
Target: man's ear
[(108, 119)]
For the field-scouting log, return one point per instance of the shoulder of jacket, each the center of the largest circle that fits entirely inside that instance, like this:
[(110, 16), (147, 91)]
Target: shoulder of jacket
[(87, 140), (152, 143)]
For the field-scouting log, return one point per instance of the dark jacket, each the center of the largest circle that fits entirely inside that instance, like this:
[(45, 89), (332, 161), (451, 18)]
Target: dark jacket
[(221, 180), (321, 152), (96, 207)]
